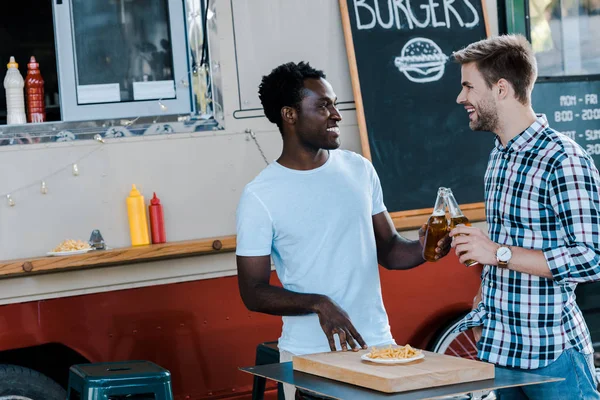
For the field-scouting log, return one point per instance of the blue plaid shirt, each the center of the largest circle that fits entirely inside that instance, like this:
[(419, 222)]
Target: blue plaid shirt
[(541, 192)]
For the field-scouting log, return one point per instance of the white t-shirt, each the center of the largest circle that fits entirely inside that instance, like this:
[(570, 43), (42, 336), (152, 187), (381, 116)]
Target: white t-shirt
[(317, 226)]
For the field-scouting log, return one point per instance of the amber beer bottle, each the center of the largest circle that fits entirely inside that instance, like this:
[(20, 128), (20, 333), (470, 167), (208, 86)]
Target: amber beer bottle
[(437, 227), (457, 218)]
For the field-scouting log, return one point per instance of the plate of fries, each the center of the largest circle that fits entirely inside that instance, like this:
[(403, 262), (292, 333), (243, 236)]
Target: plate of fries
[(70, 247), (393, 355)]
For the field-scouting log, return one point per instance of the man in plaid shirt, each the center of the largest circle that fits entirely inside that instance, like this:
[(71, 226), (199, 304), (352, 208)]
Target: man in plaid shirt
[(543, 214)]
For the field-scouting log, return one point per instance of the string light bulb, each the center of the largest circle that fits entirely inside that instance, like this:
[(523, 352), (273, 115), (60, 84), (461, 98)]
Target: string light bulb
[(98, 137)]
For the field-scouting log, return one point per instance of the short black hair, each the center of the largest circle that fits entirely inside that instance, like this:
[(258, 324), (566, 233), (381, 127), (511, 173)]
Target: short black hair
[(284, 87)]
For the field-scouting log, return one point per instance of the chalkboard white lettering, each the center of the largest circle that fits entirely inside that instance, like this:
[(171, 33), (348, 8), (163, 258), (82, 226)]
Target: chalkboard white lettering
[(592, 134), (404, 73), (563, 116), (566, 101), (390, 23), (593, 149), (570, 134), (406, 14), (590, 114), (555, 99), (434, 22), (591, 99)]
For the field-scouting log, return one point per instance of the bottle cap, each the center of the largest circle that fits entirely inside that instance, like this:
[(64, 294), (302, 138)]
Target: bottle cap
[(32, 63), (155, 200), (134, 191), (12, 63)]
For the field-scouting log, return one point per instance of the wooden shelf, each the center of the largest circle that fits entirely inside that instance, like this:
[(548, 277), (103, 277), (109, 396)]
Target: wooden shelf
[(121, 256), (189, 248)]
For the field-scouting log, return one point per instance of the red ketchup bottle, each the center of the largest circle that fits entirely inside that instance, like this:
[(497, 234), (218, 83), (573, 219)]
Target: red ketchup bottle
[(34, 90), (157, 221)]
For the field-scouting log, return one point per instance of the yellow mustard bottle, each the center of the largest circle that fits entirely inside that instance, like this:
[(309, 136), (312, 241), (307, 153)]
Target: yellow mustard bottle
[(138, 223)]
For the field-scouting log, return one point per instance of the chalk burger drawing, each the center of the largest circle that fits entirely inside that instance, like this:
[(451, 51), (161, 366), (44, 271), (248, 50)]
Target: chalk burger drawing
[(421, 60)]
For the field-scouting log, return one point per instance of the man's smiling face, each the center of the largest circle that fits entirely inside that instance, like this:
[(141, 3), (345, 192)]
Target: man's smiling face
[(478, 99), (318, 116)]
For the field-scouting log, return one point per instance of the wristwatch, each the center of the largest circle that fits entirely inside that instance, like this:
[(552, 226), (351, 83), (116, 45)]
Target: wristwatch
[(503, 256)]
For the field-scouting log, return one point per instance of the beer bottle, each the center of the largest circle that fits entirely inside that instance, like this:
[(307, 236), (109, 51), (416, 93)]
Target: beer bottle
[(437, 227), (457, 218)]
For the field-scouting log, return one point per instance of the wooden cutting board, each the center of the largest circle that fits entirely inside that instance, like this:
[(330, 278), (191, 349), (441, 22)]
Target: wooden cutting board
[(432, 370)]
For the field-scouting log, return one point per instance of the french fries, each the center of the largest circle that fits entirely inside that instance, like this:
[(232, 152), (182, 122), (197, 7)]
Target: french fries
[(394, 353), (71, 245)]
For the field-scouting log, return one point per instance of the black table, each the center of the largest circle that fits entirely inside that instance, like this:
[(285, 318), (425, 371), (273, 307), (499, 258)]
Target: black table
[(283, 372)]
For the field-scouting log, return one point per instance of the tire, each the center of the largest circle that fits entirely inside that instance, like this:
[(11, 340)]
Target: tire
[(455, 344), (20, 383), (459, 345)]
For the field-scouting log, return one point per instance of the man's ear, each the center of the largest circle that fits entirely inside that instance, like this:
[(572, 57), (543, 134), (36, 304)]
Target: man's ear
[(289, 115), (503, 88)]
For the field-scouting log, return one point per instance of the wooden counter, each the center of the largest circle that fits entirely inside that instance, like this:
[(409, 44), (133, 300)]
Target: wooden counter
[(120, 256), (188, 248)]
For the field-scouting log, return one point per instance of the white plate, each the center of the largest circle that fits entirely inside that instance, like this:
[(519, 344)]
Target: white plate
[(68, 253), (391, 360)]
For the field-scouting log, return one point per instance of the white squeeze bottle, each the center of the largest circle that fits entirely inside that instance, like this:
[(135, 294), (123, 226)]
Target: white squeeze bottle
[(15, 97)]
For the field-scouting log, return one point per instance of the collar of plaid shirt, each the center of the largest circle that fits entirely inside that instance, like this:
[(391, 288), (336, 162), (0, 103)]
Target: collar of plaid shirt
[(541, 192), (525, 139)]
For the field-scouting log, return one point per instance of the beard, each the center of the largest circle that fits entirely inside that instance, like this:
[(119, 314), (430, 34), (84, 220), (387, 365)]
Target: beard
[(487, 117)]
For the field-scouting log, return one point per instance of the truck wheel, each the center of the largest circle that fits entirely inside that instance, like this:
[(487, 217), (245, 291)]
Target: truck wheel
[(455, 344), (459, 345), (20, 383)]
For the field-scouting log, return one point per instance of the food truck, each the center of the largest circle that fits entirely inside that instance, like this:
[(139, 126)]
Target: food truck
[(164, 97)]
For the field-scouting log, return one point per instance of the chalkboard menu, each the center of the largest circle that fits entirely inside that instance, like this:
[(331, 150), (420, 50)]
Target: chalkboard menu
[(405, 87), (572, 108)]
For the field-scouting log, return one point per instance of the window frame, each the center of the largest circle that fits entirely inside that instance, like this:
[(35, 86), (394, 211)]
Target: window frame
[(205, 114), (71, 110), (515, 18)]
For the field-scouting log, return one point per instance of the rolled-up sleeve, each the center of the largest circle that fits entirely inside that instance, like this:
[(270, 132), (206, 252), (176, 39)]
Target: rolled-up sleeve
[(574, 187)]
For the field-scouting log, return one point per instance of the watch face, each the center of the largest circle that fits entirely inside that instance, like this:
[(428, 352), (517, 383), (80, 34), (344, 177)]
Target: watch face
[(503, 254)]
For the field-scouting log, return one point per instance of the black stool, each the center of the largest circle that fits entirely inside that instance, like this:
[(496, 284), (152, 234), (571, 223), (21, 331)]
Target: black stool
[(266, 353)]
